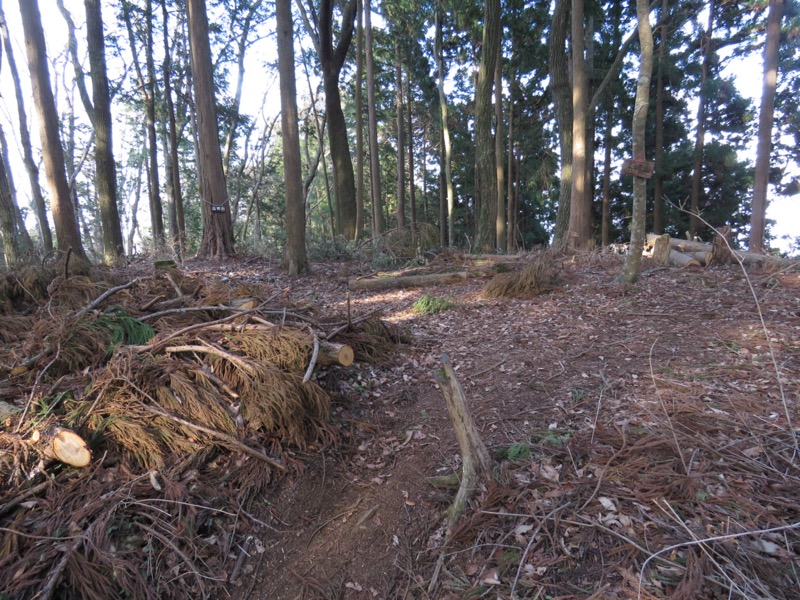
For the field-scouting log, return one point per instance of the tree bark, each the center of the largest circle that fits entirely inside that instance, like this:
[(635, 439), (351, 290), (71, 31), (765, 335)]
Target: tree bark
[(658, 178), (579, 236), (605, 222), (486, 191), (446, 146), (171, 163), (25, 140), (559, 81), (359, 119), (765, 119), (53, 154), (331, 60), (500, 218), (106, 168), (294, 254), (633, 260), (22, 240), (217, 242), (11, 246), (401, 143), (697, 169), (378, 223), (412, 192)]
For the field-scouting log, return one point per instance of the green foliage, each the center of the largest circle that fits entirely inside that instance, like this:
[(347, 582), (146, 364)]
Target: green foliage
[(429, 305), (123, 328), (518, 451)]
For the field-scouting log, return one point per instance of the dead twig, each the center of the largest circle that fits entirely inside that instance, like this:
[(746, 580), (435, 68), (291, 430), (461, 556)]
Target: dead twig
[(312, 364)]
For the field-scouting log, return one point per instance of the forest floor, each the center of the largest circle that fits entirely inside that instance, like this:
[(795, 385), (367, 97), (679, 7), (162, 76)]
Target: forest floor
[(645, 439)]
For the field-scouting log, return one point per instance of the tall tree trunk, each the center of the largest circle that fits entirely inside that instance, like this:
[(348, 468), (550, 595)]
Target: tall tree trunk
[(359, 120), (331, 60), (156, 209), (559, 77), (294, 253), (103, 151), (24, 242), (67, 233), (630, 271), (11, 243), (171, 165), (412, 192), (765, 119), (31, 167), (484, 140), (137, 194), (606, 216), (237, 96), (580, 214), (697, 168), (590, 125), (378, 223), (401, 155), (500, 219), (658, 179), (217, 241), (446, 146), (510, 236)]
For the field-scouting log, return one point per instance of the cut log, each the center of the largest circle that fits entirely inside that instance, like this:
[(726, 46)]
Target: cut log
[(679, 259), (748, 258), (661, 250), (65, 446), (721, 254), (387, 283), (706, 259)]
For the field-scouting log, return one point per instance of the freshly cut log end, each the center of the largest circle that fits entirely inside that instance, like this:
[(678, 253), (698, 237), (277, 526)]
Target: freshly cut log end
[(70, 448), (343, 353)]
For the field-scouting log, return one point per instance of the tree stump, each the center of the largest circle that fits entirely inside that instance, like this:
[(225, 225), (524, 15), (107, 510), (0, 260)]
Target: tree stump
[(721, 253)]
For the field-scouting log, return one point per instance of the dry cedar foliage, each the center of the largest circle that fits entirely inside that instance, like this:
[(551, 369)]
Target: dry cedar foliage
[(535, 278), (170, 426)]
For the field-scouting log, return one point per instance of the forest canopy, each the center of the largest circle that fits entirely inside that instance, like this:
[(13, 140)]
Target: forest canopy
[(166, 127)]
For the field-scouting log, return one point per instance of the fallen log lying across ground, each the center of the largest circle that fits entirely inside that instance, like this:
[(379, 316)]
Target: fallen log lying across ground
[(394, 282), (711, 253)]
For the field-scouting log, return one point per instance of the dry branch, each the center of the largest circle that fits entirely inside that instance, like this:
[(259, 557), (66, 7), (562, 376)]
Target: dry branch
[(476, 462)]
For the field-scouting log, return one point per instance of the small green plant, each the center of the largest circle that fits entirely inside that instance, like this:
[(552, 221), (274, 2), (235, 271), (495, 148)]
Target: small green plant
[(577, 394), (429, 305), (519, 451)]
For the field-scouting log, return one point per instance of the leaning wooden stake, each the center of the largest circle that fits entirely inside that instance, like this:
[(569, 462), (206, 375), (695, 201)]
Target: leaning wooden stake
[(476, 462)]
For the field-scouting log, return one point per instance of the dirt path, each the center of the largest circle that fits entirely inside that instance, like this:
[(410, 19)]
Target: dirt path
[(366, 524)]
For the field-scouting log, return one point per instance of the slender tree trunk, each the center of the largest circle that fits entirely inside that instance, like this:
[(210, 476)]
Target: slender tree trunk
[(67, 232), (237, 97), (23, 242), (11, 243), (156, 210), (510, 237), (31, 167), (137, 194), (697, 169), (658, 179), (605, 220), (590, 125), (217, 241), (630, 271), (580, 216), (103, 154), (359, 120), (446, 146), (765, 119), (500, 219), (378, 223), (401, 143), (412, 192), (562, 97), (484, 140), (294, 254), (177, 226)]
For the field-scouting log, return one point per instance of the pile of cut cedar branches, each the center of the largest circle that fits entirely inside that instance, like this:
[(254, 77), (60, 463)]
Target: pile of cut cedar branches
[(141, 419)]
